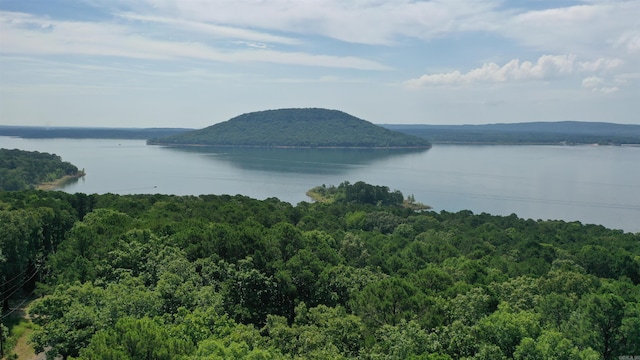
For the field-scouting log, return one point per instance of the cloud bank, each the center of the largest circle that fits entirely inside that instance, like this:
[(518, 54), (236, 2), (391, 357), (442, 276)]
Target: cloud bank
[(28, 34), (546, 67)]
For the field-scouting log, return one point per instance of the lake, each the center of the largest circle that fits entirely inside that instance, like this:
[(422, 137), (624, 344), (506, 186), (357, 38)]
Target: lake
[(590, 184)]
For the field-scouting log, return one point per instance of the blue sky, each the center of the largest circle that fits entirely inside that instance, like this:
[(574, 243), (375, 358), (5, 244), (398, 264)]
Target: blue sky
[(193, 63)]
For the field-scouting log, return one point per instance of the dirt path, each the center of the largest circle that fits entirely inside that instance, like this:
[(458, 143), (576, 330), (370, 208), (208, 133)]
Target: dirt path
[(23, 349)]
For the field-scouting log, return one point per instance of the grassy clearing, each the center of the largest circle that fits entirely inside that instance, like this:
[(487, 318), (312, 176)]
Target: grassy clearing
[(316, 194), (20, 328), (17, 344)]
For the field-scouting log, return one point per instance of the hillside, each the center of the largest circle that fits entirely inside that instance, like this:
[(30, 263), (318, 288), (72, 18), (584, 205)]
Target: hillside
[(571, 132), (21, 170), (295, 128)]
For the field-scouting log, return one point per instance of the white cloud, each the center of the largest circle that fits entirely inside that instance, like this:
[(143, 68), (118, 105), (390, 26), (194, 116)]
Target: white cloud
[(585, 30), (598, 85), (547, 66), (629, 41), (21, 34), (575, 29), (592, 82), (226, 32), (363, 21), (601, 64), (607, 90)]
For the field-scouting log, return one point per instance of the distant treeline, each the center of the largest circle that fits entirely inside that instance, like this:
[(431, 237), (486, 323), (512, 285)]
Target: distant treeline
[(21, 170), (38, 132), (565, 132), (569, 132)]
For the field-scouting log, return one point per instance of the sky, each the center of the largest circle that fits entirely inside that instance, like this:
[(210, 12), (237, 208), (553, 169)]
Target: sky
[(194, 63)]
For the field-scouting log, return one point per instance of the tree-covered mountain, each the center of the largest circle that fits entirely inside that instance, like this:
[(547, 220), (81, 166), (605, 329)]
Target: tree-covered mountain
[(571, 132), (310, 127), (21, 170)]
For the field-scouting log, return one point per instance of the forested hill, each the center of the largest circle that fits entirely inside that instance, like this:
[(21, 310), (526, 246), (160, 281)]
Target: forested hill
[(21, 170), (572, 132), (310, 127)]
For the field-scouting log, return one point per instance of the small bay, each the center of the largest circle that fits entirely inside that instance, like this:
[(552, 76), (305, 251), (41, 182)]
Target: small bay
[(590, 184)]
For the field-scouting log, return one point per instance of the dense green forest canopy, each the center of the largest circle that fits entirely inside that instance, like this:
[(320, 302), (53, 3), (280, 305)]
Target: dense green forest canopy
[(561, 132), (296, 128), (208, 277), (21, 170)]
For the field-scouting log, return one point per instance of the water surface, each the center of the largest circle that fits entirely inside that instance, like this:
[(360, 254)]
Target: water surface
[(591, 184)]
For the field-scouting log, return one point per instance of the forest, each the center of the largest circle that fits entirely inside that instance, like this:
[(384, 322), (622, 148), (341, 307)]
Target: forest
[(310, 127), (219, 276), (22, 170)]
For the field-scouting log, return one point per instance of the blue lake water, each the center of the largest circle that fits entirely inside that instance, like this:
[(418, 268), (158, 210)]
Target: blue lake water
[(591, 184)]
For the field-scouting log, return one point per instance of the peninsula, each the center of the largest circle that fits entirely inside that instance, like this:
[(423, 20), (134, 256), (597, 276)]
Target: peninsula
[(22, 170), (310, 127)]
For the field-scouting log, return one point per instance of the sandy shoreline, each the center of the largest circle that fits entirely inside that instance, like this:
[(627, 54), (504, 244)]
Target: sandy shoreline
[(52, 185)]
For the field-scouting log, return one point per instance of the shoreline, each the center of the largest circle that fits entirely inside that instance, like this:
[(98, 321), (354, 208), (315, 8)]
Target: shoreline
[(52, 185), (288, 146)]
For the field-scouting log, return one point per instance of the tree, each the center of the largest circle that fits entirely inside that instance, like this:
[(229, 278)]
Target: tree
[(552, 345), (388, 301), (507, 329), (406, 340), (68, 320), (317, 333), (555, 309), (132, 338), (249, 294), (602, 315)]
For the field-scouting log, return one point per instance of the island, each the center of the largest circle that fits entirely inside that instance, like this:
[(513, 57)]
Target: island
[(22, 170), (308, 127), (363, 193)]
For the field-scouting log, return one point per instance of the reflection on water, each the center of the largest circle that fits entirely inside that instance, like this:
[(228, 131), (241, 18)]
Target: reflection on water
[(295, 160), (70, 182)]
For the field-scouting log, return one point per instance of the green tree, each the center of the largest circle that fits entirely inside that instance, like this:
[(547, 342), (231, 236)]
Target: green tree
[(68, 319), (132, 338), (388, 301), (601, 317), (317, 333), (506, 328)]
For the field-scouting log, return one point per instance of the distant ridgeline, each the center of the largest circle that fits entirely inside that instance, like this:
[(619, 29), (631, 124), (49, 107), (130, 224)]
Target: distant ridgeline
[(42, 132), (568, 132), (296, 128), (332, 128)]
